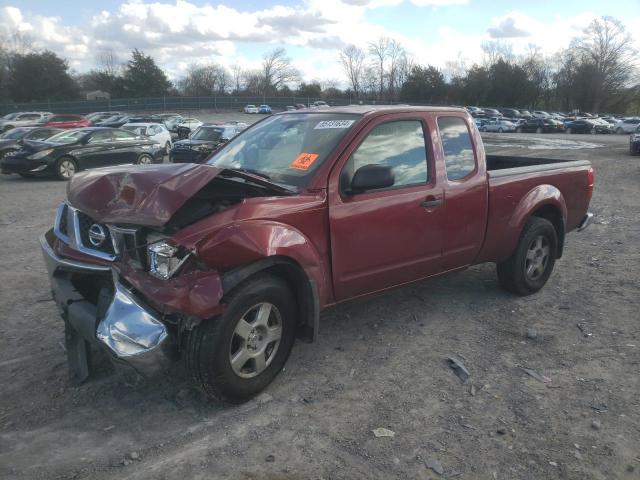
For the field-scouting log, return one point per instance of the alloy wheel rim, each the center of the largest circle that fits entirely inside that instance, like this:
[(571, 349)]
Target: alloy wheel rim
[(67, 169), (144, 160), (537, 258), (255, 340)]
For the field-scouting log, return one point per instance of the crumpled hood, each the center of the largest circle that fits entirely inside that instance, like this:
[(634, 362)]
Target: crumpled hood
[(147, 196)]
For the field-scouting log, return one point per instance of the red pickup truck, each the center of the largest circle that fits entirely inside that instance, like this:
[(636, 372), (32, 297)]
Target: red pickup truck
[(225, 263)]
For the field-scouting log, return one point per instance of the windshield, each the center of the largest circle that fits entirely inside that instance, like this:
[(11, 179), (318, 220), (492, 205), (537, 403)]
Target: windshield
[(69, 136), (286, 148), (210, 134), (14, 134)]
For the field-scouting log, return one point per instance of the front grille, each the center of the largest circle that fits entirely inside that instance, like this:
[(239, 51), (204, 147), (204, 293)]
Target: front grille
[(85, 223)]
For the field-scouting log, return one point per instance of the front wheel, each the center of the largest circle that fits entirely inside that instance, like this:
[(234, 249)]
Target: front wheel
[(66, 168), (235, 356), (531, 264), (145, 159)]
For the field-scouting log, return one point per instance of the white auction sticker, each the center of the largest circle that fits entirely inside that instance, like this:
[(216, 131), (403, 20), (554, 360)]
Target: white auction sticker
[(334, 124)]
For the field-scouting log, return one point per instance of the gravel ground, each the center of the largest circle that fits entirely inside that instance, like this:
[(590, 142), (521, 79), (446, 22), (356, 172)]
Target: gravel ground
[(379, 362)]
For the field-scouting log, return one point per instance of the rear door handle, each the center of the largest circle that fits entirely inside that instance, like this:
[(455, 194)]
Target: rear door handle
[(431, 203)]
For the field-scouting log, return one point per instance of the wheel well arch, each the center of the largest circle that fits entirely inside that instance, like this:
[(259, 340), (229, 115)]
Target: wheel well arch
[(553, 214), (304, 289)]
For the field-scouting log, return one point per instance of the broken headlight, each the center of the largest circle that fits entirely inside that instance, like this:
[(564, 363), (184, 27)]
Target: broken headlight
[(165, 260)]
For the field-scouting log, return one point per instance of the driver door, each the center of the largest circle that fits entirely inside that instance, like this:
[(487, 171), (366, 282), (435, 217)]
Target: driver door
[(389, 236)]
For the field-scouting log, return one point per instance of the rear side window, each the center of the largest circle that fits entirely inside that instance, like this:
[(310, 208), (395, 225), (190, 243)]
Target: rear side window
[(456, 144), (400, 145)]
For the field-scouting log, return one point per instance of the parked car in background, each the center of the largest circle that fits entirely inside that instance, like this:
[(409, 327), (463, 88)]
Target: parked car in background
[(586, 126), (66, 121), (264, 109), (238, 257), (634, 144), (155, 131), (526, 114), (206, 139), (115, 121), (290, 108), (498, 125), (626, 125), (319, 104), (475, 111), (13, 139), (540, 125), (68, 152), (97, 117), (510, 114), (25, 119), (491, 112), (251, 109), (190, 123), (540, 114), (300, 106)]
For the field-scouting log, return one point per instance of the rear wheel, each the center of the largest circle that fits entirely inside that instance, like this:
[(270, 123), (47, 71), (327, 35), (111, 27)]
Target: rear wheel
[(235, 356), (531, 264), (66, 167), (144, 159)]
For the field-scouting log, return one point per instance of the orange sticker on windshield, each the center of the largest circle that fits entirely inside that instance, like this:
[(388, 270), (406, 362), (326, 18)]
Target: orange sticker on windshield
[(304, 161)]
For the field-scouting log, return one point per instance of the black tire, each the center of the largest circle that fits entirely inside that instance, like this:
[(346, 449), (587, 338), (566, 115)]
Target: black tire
[(144, 159), (210, 344), (513, 272), (66, 167)]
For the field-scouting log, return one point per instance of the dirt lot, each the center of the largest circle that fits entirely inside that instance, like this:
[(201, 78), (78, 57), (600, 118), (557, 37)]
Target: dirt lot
[(378, 363)]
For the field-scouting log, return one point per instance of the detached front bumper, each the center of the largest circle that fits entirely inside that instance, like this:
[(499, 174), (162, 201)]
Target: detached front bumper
[(115, 319)]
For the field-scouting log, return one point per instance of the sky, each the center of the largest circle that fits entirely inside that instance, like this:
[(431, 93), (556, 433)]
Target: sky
[(180, 33)]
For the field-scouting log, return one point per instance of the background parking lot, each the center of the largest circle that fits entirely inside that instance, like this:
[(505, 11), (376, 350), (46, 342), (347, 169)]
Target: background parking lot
[(379, 362)]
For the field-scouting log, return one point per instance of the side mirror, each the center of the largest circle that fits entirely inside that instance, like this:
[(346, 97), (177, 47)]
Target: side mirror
[(371, 177)]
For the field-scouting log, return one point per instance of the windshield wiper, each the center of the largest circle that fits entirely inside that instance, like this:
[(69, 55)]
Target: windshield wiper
[(268, 183)]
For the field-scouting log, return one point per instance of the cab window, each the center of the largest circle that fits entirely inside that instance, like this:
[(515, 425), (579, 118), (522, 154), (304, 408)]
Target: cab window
[(456, 144), (399, 144)]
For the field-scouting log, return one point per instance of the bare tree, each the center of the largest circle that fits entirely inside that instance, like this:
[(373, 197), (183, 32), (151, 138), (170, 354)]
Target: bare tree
[(204, 80), (609, 49), (379, 50), (496, 50), (108, 62), (352, 59), (277, 70), (397, 56), (237, 74)]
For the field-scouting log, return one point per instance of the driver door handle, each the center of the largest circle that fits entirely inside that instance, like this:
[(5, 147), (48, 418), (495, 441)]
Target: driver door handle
[(431, 202)]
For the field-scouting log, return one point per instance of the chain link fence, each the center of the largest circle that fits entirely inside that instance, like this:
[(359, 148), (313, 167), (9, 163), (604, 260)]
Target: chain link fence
[(177, 104)]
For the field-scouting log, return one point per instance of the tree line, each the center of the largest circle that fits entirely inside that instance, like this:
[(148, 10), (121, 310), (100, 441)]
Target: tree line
[(598, 71)]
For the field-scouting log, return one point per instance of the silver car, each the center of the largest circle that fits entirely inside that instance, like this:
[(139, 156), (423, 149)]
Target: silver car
[(498, 125), (24, 119), (626, 125)]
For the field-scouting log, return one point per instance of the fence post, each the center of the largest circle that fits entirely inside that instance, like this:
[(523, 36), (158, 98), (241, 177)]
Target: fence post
[(164, 103)]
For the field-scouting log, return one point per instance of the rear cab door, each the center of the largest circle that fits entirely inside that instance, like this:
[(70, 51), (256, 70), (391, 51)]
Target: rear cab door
[(389, 236), (464, 179)]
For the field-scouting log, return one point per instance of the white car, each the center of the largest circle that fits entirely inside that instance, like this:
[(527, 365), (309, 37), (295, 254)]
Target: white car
[(190, 123), (155, 131), (25, 119), (626, 125), (498, 125), (251, 109), (540, 114)]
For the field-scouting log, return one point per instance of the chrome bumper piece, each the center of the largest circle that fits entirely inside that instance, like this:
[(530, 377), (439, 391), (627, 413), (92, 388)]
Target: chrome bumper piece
[(586, 221), (129, 330), (133, 333)]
